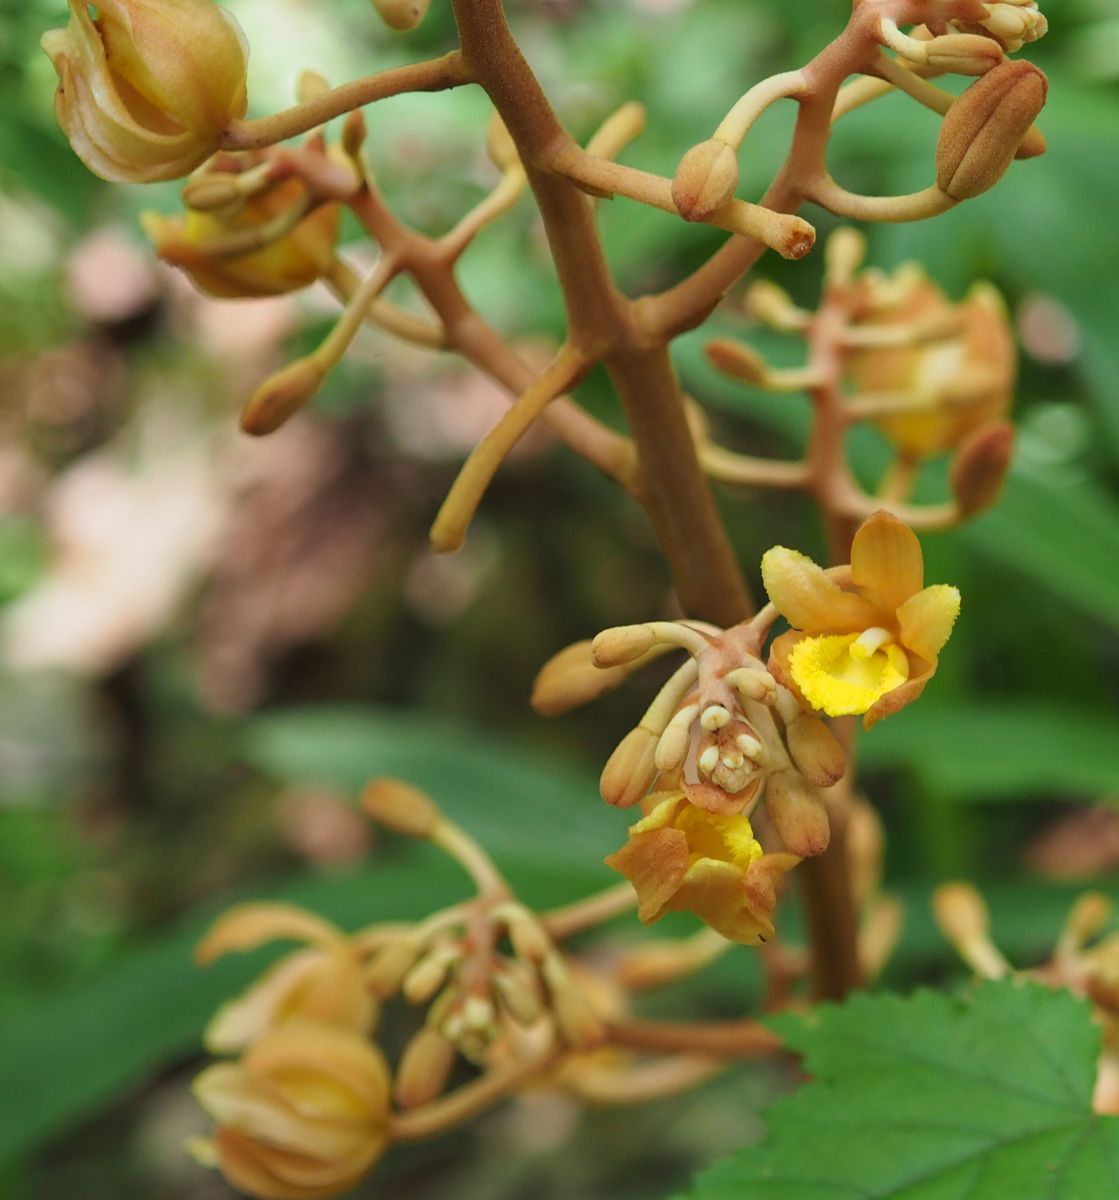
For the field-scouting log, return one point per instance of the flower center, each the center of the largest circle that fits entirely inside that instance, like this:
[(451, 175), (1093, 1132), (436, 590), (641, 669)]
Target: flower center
[(844, 674)]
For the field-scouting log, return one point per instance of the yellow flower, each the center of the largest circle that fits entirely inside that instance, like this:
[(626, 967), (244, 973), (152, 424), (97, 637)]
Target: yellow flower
[(869, 648), (148, 87), (324, 983), (947, 387), (682, 858), (291, 261), (303, 1115)]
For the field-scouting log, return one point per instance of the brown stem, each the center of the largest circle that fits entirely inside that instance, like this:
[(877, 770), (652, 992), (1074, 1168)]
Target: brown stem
[(730, 1039)]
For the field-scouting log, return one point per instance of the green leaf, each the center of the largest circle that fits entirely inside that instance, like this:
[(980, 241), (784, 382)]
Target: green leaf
[(1000, 751), (986, 1096)]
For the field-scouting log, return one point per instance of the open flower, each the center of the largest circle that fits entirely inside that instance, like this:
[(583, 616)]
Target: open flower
[(682, 858), (303, 1115), (324, 982), (147, 88), (869, 648)]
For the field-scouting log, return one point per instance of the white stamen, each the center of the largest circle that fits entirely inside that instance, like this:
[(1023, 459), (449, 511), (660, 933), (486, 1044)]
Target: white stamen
[(750, 746), (733, 761), (709, 760), (715, 717), (870, 642)]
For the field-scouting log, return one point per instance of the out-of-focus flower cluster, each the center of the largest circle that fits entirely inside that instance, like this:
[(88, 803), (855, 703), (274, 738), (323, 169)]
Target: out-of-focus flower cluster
[(728, 729), (1082, 961)]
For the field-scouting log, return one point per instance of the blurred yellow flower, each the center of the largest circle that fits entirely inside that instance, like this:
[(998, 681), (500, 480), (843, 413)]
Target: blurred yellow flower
[(868, 650), (683, 858), (303, 1115), (147, 87)]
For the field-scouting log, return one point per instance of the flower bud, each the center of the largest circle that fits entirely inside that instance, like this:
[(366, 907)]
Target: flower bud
[(614, 647), (985, 126), (281, 396), (705, 180), (148, 88), (980, 466), (964, 53), (631, 769), (402, 15), (798, 814), (500, 145), (736, 360), (816, 750), (401, 807), (570, 679), (1011, 23), (304, 1114), (424, 1068)]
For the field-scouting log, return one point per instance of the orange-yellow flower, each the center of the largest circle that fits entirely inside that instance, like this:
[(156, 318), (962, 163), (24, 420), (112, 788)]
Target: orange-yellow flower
[(147, 88), (323, 982), (288, 262), (302, 1116), (870, 647), (683, 858)]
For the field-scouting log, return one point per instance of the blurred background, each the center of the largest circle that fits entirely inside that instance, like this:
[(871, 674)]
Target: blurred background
[(207, 643)]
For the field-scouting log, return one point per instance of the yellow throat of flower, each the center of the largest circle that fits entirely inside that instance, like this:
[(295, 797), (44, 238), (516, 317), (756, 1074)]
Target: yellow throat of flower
[(844, 674)]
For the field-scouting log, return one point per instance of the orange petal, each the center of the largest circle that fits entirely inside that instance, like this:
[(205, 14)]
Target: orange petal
[(716, 892), (244, 1165), (926, 619), (902, 695), (654, 862), (246, 926), (804, 595), (886, 562), (778, 665)]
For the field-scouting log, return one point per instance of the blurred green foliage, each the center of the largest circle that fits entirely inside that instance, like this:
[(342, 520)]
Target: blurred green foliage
[(133, 805)]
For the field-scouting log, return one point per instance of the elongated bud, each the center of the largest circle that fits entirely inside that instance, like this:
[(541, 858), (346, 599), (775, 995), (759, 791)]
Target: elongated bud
[(985, 126), (798, 814), (424, 1069), (773, 306), (310, 86), (518, 995), (575, 1018), (631, 769), (613, 647), (281, 396), (816, 750), (402, 15), (212, 190), (1089, 915), (429, 974), (570, 679), (736, 360), (354, 131), (963, 919), (844, 254), (500, 145), (401, 807), (964, 53), (980, 466), (530, 943), (389, 966), (705, 180)]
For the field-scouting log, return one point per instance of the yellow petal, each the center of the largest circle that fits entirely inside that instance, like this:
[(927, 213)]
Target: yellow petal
[(835, 682), (926, 619), (886, 562), (716, 893), (808, 599), (246, 926), (724, 836)]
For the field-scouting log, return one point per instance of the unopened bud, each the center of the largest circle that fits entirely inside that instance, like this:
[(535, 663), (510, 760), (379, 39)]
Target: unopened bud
[(816, 750), (390, 964), (736, 360), (424, 1069), (281, 396), (576, 1020), (705, 180), (980, 466), (985, 126), (773, 306), (570, 678), (798, 814), (672, 748), (310, 86), (964, 53), (963, 919), (212, 190), (401, 807), (1089, 915), (844, 254), (518, 995), (500, 145), (402, 15), (613, 647), (631, 769), (429, 974), (530, 943), (354, 131)]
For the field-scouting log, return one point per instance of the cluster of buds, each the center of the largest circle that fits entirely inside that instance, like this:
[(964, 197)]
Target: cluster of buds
[(933, 377), (147, 87), (1082, 961), (728, 728), (1012, 23)]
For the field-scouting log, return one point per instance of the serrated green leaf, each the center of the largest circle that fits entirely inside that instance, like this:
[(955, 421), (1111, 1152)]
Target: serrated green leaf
[(986, 1096), (999, 752)]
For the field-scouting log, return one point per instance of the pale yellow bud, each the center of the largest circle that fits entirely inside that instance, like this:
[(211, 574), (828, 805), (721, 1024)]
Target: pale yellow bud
[(424, 1068), (816, 750), (281, 396), (705, 180), (212, 190), (530, 943), (570, 678), (500, 145), (844, 254), (429, 974), (736, 360), (402, 15), (576, 1020), (615, 647), (518, 995), (401, 807), (148, 87), (798, 814), (631, 769), (390, 964), (773, 306), (964, 53), (963, 919), (985, 126), (354, 131)]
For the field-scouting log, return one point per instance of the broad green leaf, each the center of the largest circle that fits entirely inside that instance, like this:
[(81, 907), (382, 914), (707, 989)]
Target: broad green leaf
[(1000, 750), (981, 1097)]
